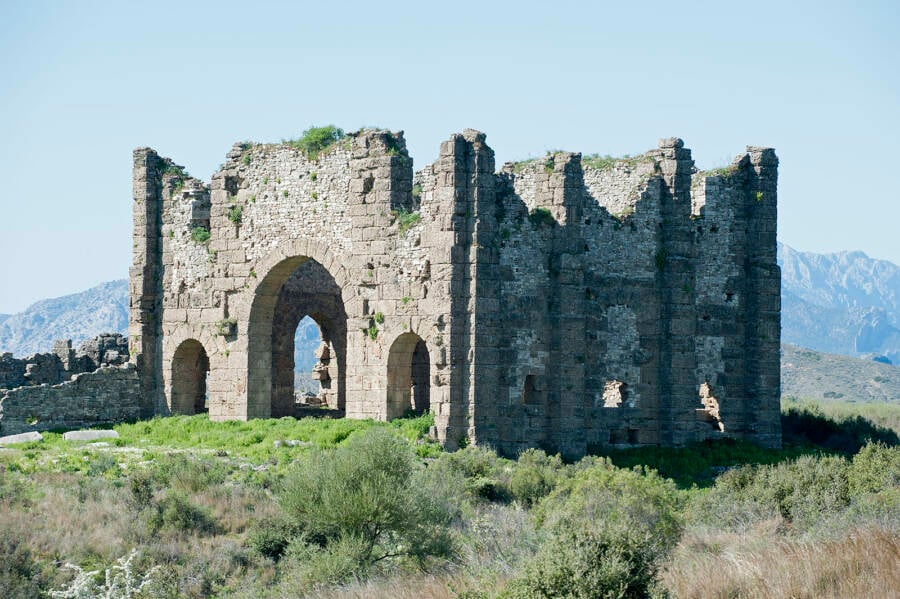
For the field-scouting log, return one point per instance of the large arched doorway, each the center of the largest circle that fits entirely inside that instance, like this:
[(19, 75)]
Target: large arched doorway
[(190, 367), (294, 289), (408, 373)]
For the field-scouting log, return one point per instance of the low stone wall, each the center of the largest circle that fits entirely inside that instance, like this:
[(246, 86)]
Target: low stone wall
[(62, 361), (110, 394)]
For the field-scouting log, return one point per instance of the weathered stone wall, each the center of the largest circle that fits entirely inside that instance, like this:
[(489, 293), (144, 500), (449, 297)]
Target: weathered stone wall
[(107, 395), (62, 362), (561, 302)]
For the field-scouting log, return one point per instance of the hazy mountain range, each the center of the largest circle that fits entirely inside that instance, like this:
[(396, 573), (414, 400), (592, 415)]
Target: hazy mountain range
[(842, 303)]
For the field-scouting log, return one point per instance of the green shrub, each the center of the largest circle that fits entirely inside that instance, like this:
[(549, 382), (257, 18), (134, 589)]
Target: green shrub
[(236, 214), (188, 474), (541, 216), (271, 536), (874, 469), (200, 234), (534, 476), (609, 530), (484, 474), (406, 220), (316, 140), (801, 491), (142, 485), (20, 574), (372, 493), (809, 423), (176, 512), (306, 566)]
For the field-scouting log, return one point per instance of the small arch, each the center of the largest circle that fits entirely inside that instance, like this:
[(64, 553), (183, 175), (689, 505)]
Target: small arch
[(190, 368), (408, 374)]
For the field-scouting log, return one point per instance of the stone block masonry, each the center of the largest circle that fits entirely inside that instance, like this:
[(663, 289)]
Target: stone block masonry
[(108, 395), (66, 388), (570, 303)]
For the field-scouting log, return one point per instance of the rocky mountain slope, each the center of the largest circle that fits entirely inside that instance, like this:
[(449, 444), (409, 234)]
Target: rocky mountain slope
[(80, 316), (808, 374), (843, 303)]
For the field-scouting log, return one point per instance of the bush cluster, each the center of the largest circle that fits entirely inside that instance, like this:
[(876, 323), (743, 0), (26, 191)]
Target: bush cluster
[(316, 140)]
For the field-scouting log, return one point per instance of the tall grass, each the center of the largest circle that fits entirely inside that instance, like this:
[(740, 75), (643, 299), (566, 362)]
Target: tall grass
[(766, 565)]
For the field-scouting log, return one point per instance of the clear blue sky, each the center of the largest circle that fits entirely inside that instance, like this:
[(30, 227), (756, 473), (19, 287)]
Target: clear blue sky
[(84, 83)]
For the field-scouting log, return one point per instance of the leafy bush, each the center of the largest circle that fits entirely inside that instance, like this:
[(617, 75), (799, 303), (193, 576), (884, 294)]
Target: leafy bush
[(368, 501), (270, 537), (874, 469), (801, 491), (535, 476), (200, 234), (176, 512), (609, 530), (484, 474), (541, 216), (188, 474), (316, 140), (20, 576), (809, 423), (406, 220), (236, 214)]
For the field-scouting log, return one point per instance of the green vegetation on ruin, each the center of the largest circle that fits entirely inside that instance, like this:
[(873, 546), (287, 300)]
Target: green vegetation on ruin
[(539, 217), (200, 234), (317, 140), (236, 213), (406, 220), (606, 162)]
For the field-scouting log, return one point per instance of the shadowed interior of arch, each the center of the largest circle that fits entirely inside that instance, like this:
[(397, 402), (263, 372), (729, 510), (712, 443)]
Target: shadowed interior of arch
[(294, 289), (190, 369), (409, 369)]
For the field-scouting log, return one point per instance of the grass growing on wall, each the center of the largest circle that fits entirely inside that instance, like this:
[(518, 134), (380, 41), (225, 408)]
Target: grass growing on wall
[(316, 140)]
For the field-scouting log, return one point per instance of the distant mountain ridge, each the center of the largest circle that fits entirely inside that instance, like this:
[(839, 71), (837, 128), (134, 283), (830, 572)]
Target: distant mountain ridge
[(79, 316), (844, 303)]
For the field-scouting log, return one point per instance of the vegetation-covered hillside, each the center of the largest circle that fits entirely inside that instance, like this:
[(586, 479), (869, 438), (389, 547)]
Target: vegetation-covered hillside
[(343, 508)]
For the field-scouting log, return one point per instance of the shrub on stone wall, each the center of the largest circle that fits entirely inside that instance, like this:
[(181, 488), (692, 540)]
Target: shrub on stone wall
[(200, 234), (316, 140)]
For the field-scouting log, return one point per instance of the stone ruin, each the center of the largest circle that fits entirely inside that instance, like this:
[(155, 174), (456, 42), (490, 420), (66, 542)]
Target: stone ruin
[(570, 303), (67, 388)]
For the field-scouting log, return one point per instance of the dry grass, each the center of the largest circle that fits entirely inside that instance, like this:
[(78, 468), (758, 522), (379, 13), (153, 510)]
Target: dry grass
[(766, 565), (446, 586)]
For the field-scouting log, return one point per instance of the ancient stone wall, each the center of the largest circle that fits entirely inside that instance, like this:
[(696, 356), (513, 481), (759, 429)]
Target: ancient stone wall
[(565, 302), (62, 361), (107, 395)]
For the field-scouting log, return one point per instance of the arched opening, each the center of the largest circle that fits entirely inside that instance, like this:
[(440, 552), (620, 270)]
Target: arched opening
[(310, 356), (408, 373), (294, 292), (190, 367)]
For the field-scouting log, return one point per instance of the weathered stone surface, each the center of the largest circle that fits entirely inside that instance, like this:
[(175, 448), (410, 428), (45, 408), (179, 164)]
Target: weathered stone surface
[(90, 435), (107, 395), (562, 302), (21, 438)]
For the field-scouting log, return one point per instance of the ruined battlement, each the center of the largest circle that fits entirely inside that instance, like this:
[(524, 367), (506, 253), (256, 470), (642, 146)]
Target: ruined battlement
[(567, 302)]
